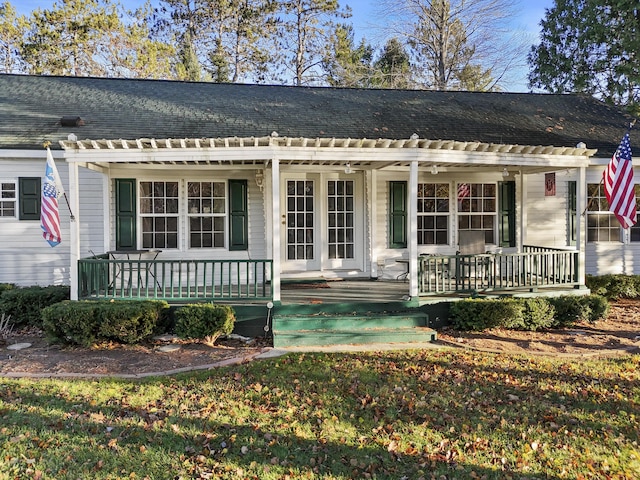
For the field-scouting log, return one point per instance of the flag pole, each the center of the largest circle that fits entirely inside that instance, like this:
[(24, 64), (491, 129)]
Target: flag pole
[(64, 193), (631, 125)]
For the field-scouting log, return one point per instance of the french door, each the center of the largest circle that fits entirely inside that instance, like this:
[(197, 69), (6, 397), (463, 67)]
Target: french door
[(322, 222)]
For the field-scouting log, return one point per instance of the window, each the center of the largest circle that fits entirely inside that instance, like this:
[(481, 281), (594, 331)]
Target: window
[(7, 199), (341, 233), (433, 213), (159, 214), (477, 209), (602, 225), (206, 204), (635, 229), (300, 220)]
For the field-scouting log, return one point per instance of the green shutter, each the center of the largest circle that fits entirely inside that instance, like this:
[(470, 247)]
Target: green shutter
[(571, 211), (126, 214), (397, 214), (507, 214), (238, 215), (29, 201)]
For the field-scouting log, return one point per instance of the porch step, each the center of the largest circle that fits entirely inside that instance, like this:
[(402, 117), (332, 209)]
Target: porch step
[(341, 329), (290, 338)]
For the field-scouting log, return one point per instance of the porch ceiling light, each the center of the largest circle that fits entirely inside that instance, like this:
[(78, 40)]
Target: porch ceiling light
[(434, 169), (260, 179), (505, 172), (347, 168)]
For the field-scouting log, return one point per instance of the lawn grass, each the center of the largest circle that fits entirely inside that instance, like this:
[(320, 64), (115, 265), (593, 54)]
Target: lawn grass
[(386, 415)]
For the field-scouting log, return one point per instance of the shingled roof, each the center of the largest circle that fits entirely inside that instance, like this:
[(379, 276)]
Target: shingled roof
[(31, 109)]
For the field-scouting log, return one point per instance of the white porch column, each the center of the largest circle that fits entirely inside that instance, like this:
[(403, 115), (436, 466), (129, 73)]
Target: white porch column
[(275, 227), (413, 230), (74, 230), (581, 222), (522, 231), (371, 180)]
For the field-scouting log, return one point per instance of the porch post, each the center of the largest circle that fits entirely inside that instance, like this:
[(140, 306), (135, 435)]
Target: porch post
[(275, 227), (74, 231), (524, 220), (413, 230), (581, 223)]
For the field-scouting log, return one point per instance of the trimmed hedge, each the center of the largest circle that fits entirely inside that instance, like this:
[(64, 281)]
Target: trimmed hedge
[(614, 287), (6, 286), (204, 321), (476, 314), (527, 313), (87, 322), (25, 304), (537, 314)]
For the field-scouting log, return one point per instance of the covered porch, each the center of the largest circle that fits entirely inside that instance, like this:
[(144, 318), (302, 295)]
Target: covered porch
[(268, 173), (178, 281)]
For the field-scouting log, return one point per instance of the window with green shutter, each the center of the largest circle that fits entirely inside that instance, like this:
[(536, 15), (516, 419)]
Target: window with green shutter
[(29, 201), (397, 214), (238, 215)]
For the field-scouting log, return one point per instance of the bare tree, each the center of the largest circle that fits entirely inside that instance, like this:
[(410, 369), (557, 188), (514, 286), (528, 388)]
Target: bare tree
[(448, 39)]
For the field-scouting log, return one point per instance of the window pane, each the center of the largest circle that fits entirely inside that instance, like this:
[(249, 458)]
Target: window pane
[(8, 203), (211, 201), (483, 200)]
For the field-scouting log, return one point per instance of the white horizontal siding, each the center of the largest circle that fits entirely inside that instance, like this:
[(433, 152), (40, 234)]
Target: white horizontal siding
[(25, 257), (613, 258), (547, 216)]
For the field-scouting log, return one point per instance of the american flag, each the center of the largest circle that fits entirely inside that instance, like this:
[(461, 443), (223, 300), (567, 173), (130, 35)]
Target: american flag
[(463, 191), (619, 186), (49, 214)]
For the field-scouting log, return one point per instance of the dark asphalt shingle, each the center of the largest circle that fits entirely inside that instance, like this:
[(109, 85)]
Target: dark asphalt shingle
[(31, 108)]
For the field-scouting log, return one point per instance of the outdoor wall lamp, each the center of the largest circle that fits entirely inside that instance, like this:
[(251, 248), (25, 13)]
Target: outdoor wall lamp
[(434, 169), (505, 172), (347, 168), (260, 179)]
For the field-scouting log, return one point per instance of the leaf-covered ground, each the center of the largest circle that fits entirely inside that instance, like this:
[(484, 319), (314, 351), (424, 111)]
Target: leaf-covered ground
[(620, 332), (381, 415)]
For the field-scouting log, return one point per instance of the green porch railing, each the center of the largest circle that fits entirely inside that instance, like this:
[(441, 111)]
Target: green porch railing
[(174, 280), (536, 267)]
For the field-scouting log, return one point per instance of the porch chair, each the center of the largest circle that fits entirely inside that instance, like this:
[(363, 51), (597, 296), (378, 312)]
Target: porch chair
[(470, 242)]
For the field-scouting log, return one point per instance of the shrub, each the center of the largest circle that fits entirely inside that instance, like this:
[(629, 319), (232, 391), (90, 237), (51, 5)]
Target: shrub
[(129, 322), (483, 314), (71, 322), (205, 321), (570, 310), (6, 286), (24, 305), (614, 287), (527, 313), (537, 314), (86, 322), (598, 307)]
